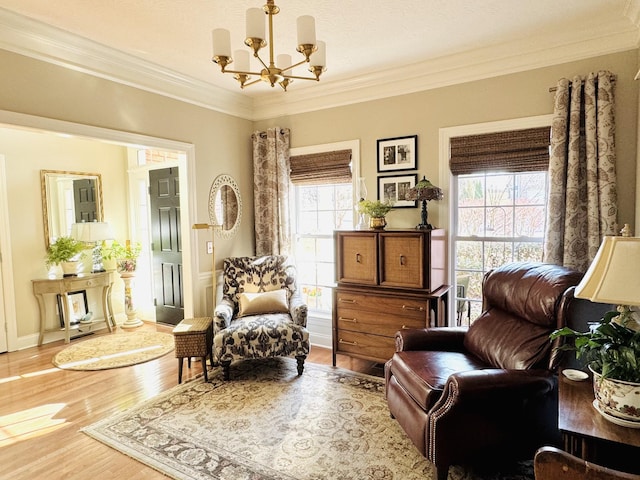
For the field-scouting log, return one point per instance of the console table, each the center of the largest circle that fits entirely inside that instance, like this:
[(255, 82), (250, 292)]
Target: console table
[(588, 435), (63, 286)]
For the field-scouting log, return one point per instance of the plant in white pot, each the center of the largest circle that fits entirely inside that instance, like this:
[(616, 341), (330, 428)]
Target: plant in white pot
[(66, 252), (611, 349)]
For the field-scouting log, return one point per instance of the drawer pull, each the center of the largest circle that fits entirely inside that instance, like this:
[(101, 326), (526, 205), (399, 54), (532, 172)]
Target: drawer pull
[(355, 344), (402, 259), (346, 300), (358, 258), (346, 319), (413, 309)]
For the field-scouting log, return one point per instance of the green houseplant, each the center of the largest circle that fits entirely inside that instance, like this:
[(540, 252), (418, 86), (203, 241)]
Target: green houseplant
[(611, 350), (124, 255), (376, 210), (64, 249)]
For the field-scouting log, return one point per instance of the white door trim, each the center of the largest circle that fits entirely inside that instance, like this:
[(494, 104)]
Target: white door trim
[(8, 333)]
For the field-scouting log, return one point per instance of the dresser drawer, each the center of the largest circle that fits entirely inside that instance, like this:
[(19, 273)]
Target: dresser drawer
[(393, 305), (380, 323), (366, 345)]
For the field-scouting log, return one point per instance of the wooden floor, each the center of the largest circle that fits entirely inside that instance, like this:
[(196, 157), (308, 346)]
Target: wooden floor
[(43, 408)]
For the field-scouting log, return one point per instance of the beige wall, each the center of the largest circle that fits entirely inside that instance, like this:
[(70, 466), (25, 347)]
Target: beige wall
[(222, 142), (507, 97)]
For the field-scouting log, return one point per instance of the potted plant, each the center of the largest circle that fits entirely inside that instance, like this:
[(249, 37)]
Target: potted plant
[(376, 210), (108, 253), (611, 350), (66, 252), (125, 255)]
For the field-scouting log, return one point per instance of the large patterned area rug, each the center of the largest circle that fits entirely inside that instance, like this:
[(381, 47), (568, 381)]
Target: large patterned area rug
[(269, 424), (114, 350)]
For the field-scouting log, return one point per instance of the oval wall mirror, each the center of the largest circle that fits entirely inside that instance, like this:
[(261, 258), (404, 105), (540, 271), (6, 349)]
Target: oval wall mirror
[(225, 205), (68, 198)]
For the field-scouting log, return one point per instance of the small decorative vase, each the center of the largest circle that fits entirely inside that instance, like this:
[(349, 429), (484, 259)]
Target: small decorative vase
[(617, 398), (377, 222)]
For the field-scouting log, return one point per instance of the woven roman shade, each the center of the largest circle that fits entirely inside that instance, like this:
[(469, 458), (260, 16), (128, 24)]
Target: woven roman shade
[(321, 168), (511, 151)]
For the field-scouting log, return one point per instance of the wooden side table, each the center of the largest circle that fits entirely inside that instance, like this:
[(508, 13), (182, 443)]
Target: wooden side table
[(63, 286), (588, 435)]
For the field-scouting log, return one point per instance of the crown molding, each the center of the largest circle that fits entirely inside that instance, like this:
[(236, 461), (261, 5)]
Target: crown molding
[(35, 39), (25, 36)]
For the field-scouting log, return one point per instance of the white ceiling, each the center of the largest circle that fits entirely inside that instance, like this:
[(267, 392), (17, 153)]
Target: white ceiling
[(369, 43)]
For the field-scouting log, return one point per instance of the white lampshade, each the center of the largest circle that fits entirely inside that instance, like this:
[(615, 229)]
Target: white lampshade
[(306, 30), (221, 42), (255, 22), (91, 232), (283, 61), (319, 57), (241, 59), (614, 275)]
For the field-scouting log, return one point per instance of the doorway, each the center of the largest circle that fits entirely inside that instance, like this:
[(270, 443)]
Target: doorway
[(38, 125)]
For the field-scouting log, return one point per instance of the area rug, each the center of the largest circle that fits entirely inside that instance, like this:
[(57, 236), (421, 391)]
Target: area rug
[(268, 423), (114, 350)]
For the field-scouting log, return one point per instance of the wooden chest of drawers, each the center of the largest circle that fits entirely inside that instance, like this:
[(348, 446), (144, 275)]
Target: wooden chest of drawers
[(387, 281)]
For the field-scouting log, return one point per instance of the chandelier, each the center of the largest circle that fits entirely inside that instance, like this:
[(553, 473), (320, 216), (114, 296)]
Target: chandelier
[(280, 71)]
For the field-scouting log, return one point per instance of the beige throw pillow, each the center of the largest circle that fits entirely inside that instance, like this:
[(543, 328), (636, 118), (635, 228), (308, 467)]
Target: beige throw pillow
[(266, 302)]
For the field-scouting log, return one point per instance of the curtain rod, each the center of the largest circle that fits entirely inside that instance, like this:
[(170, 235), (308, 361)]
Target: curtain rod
[(612, 78)]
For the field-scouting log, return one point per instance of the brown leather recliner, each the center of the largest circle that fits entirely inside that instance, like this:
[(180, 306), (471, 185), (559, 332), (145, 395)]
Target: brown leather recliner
[(489, 390)]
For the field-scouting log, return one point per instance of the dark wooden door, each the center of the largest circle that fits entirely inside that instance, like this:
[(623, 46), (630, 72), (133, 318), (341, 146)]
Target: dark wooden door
[(164, 190), (84, 196)]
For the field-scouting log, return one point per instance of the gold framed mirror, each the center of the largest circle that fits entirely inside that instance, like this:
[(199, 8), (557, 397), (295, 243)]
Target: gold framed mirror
[(225, 206), (68, 198)]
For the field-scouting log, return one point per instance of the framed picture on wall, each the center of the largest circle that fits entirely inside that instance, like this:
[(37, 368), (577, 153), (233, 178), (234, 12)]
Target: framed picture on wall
[(78, 307), (400, 153), (394, 189)]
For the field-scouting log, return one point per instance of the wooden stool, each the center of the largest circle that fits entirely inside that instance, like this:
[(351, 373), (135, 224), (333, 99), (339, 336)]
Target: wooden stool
[(194, 338)]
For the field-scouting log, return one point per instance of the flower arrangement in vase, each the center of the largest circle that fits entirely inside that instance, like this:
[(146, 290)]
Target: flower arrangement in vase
[(126, 255), (376, 210)]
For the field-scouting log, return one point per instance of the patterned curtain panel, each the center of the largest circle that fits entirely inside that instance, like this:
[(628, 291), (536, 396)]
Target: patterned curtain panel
[(271, 191), (582, 171)]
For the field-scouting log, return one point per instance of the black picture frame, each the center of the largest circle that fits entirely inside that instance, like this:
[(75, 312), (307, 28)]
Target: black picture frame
[(78, 306), (396, 154), (393, 188)]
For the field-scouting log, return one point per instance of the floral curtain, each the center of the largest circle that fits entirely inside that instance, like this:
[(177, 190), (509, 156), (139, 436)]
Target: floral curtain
[(582, 205), (271, 191)]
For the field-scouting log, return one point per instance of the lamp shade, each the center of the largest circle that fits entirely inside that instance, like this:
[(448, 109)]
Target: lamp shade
[(91, 232), (614, 275), (424, 190)]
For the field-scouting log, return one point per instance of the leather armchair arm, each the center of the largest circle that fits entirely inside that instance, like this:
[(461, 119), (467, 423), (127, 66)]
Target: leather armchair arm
[(439, 338), (298, 309), (496, 385), (222, 314)]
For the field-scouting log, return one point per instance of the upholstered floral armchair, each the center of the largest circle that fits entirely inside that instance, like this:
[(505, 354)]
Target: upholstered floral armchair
[(261, 314)]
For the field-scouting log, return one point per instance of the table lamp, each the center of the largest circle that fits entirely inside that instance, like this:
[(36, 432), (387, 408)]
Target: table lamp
[(93, 233), (425, 191)]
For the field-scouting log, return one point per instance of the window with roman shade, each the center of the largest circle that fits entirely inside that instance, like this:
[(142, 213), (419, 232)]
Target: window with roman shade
[(321, 168), (499, 203), (510, 151)]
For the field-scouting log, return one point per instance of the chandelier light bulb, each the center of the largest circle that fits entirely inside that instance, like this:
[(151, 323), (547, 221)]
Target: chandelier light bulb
[(255, 23), (221, 43), (306, 30)]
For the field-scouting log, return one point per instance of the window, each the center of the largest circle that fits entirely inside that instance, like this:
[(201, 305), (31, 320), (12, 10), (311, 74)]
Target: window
[(499, 199), (320, 209), (500, 219), (322, 201)]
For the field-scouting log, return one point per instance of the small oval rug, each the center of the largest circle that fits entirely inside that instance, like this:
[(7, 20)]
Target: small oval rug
[(115, 350)]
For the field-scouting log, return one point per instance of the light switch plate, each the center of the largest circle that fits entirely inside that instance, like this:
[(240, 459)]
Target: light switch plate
[(209, 247)]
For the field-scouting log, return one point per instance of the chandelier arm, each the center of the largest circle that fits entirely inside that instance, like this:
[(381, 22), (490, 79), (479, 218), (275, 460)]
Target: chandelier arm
[(300, 78), (253, 82), (261, 61), (241, 72), (295, 65)]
